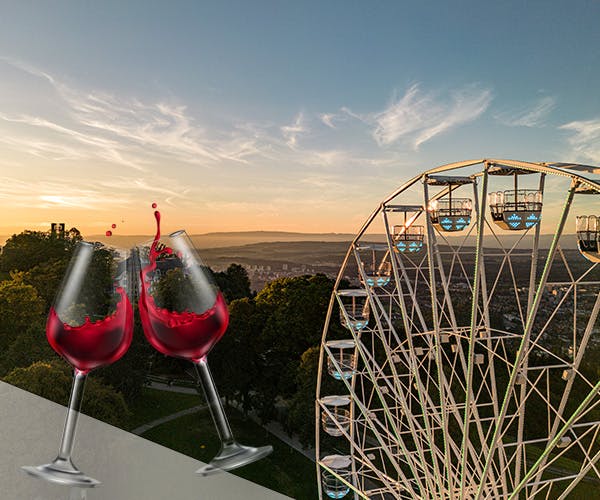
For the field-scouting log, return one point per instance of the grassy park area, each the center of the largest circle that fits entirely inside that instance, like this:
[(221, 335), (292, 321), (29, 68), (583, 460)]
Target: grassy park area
[(285, 470), (153, 404)]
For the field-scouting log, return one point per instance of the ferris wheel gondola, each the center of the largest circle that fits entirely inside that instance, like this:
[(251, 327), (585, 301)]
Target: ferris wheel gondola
[(469, 368)]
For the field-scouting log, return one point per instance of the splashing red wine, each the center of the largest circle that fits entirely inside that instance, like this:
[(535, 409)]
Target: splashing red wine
[(91, 345), (187, 335), (108, 233)]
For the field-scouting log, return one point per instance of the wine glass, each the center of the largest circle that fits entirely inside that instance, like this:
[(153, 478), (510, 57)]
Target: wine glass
[(90, 324), (184, 315)]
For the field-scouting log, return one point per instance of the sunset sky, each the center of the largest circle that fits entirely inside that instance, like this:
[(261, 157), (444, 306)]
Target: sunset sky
[(275, 115)]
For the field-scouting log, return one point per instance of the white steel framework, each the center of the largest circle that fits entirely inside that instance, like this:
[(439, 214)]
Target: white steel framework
[(465, 366)]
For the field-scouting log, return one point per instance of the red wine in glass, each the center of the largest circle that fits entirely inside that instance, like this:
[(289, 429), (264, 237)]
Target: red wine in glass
[(93, 344), (90, 324), (184, 335), (184, 315)]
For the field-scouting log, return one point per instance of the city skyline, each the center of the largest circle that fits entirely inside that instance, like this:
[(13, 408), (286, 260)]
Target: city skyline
[(277, 116)]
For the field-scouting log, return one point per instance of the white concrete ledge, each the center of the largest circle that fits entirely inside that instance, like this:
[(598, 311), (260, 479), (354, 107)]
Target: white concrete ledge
[(129, 467)]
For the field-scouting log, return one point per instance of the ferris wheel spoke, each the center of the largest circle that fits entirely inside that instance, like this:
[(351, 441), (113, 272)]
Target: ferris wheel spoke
[(469, 375), (431, 254), (573, 419), (527, 332), (398, 393), (591, 464), (367, 416), (395, 431), (575, 367), (364, 457)]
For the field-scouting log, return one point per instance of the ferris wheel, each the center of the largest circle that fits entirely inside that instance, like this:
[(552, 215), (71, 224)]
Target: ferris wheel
[(460, 357)]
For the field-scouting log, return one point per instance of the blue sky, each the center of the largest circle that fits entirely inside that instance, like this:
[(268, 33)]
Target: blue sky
[(280, 115)]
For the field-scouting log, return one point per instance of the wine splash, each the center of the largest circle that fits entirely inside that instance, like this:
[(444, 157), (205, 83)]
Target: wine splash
[(91, 345), (109, 233), (185, 334)]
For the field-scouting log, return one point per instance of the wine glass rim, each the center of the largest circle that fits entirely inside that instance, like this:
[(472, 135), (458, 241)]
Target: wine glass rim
[(149, 241), (103, 244)]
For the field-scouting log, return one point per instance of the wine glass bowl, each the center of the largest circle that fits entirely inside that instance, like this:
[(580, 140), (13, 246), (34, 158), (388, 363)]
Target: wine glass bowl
[(90, 325), (184, 315), (183, 312)]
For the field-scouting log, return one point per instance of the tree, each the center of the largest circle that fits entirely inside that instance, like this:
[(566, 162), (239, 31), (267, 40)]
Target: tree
[(301, 413), (175, 291), (295, 310), (234, 360), (52, 380), (46, 278), (20, 306), (301, 410), (234, 282), (27, 348), (28, 249), (129, 373)]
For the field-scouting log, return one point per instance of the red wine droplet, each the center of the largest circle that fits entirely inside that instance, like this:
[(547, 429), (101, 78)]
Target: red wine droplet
[(154, 205), (113, 226), (108, 233)]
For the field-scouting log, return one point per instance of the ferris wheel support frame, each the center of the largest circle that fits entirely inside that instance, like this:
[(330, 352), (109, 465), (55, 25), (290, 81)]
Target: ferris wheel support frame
[(527, 333), (423, 436)]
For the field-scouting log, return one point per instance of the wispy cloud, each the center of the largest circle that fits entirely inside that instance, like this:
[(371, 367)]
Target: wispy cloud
[(127, 131), (585, 138), (327, 119), (533, 116), (52, 195), (79, 144), (419, 116), (292, 131)]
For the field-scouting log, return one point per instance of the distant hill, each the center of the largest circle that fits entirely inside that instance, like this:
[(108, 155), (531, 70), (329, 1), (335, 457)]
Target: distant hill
[(223, 239), (233, 239), (240, 238)]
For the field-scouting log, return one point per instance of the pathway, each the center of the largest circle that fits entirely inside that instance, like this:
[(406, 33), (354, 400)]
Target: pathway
[(274, 427), (172, 388), (146, 427)]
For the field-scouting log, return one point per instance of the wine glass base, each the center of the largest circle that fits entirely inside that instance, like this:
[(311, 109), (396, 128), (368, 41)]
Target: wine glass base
[(232, 457), (49, 472)]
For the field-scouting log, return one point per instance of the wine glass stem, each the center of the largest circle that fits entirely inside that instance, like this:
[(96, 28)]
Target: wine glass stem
[(66, 444), (214, 402)]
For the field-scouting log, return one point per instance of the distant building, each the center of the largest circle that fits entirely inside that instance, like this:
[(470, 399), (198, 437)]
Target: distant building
[(57, 229)]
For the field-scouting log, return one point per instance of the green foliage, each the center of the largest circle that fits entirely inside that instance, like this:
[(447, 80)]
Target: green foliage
[(46, 278), (101, 401), (295, 310), (128, 374), (234, 282), (285, 470), (37, 262), (48, 379), (257, 361), (301, 414), (28, 249), (235, 360), (174, 291), (52, 380), (96, 297), (20, 306), (154, 404), (28, 347)]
